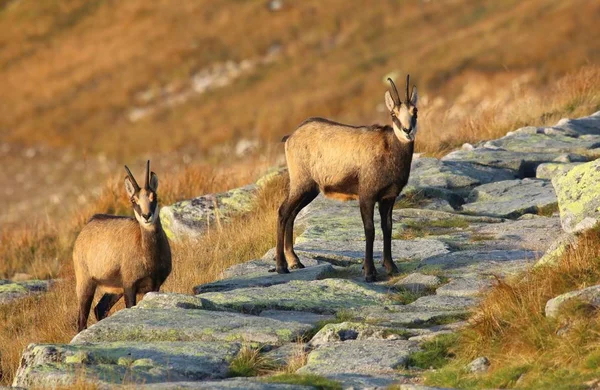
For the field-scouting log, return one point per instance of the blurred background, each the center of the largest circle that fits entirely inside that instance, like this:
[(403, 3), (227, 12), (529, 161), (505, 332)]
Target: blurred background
[(208, 87)]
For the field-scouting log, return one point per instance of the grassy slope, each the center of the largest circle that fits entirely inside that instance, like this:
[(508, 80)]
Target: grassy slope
[(73, 68)]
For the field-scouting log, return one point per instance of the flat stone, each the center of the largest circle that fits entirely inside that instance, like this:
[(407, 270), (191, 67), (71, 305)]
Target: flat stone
[(327, 296), (357, 331), (550, 170), (444, 303), (352, 252), (363, 357), (469, 262), (399, 316), (265, 279), (417, 282), (47, 365), (464, 287), (588, 296), (302, 317), (511, 198), (228, 384), (578, 200), (523, 164), (431, 172), (144, 323), (545, 140)]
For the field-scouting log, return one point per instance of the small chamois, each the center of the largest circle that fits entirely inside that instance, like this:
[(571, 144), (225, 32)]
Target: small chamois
[(368, 163), (122, 255)]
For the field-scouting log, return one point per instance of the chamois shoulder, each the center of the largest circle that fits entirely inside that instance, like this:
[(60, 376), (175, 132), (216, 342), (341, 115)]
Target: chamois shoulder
[(329, 122)]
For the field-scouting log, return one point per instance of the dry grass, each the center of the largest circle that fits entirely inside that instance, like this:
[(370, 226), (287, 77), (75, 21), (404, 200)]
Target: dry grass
[(512, 331)]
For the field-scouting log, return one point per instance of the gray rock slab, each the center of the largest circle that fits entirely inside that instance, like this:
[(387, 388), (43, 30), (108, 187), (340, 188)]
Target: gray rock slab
[(557, 249), (302, 317), (226, 384), (359, 357), (523, 164), (550, 170), (179, 324), (585, 125), (578, 199), (431, 172), (345, 331), (422, 215), (327, 296), (511, 198), (417, 282), (265, 279), (10, 290), (353, 252), (465, 287), (471, 262), (399, 316), (554, 142), (444, 303), (283, 355), (105, 363), (533, 233), (589, 296)]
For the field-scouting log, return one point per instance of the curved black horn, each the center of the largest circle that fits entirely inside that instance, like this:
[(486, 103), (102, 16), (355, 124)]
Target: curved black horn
[(137, 187), (147, 175), (395, 95), (407, 84)]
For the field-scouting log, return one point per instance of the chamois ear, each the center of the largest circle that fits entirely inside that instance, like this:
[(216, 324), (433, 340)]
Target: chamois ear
[(389, 101), (129, 187), (153, 181), (414, 96)]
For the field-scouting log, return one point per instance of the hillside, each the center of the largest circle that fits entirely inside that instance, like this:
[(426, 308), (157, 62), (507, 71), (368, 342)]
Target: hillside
[(93, 85)]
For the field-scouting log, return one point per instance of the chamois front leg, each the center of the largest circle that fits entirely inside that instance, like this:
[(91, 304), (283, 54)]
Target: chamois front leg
[(385, 212), (367, 207)]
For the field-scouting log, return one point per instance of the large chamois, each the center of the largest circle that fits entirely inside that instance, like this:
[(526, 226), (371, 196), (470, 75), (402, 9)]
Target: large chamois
[(368, 163), (122, 255)]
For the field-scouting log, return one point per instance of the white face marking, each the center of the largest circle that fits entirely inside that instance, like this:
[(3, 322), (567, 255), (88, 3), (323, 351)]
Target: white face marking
[(405, 118)]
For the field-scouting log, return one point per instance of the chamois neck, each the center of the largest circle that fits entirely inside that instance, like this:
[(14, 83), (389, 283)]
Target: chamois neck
[(150, 235)]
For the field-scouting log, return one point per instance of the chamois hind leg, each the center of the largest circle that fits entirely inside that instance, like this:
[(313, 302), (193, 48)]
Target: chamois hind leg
[(367, 207), (85, 295), (130, 296), (385, 211), (293, 200), (292, 259), (105, 304)]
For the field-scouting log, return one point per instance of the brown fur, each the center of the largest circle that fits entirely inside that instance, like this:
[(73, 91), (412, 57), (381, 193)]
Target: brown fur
[(368, 163), (120, 255)]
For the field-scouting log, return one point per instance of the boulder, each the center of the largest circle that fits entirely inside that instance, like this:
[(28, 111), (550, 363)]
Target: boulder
[(187, 323), (550, 170), (577, 192), (107, 363), (345, 331), (588, 296), (11, 290), (481, 364), (511, 198), (549, 140)]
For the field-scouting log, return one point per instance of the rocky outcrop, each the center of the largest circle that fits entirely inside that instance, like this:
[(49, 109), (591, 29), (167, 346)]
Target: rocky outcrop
[(466, 219), (578, 199), (11, 290)]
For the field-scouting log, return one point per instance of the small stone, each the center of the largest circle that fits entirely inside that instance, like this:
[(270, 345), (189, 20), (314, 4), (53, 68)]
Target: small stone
[(588, 296), (481, 364)]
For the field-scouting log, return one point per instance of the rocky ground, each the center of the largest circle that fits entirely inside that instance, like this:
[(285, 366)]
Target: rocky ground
[(482, 212)]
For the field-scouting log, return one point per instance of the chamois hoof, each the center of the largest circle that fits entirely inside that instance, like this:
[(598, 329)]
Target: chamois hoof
[(282, 270), (371, 278), (297, 265)]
